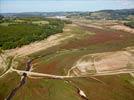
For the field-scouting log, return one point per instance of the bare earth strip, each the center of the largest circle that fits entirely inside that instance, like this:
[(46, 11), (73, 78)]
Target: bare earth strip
[(123, 28), (103, 62), (36, 46)]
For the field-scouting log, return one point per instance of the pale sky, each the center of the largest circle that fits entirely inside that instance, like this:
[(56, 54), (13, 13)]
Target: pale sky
[(10, 6)]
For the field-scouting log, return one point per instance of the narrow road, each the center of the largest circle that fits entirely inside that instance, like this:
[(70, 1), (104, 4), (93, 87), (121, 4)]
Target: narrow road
[(35, 74)]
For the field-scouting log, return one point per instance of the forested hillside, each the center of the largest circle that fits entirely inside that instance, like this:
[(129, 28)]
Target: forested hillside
[(17, 32)]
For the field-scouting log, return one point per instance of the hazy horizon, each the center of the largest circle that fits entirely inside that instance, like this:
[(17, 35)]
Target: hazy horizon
[(59, 11), (18, 6)]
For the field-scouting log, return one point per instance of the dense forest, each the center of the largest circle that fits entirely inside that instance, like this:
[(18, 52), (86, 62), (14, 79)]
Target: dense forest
[(15, 34)]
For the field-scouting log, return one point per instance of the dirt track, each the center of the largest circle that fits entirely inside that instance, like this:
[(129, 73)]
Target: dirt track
[(35, 74)]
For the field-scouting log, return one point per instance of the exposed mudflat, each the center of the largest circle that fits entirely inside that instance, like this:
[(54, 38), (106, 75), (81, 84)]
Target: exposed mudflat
[(101, 62)]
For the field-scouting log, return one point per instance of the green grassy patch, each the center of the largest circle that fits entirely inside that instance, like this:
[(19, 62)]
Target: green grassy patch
[(7, 83), (114, 87), (47, 89), (40, 22)]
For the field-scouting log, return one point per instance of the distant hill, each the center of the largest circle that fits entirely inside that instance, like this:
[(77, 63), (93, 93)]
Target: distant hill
[(45, 14), (124, 14), (112, 14), (102, 14)]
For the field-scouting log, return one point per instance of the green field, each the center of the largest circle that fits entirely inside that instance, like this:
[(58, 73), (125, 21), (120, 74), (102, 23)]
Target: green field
[(8, 83), (117, 87)]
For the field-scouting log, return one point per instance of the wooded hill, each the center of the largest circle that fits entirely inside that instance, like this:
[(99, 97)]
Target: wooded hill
[(17, 32)]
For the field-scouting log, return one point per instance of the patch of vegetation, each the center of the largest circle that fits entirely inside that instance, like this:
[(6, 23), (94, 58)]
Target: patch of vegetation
[(47, 89), (40, 22), (114, 87), (8, 65), (130, 24), (17, 34), (7, 83), (1, 18), (50, 89)]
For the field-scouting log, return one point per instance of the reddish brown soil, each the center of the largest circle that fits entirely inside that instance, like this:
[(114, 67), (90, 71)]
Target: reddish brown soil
[(1, 97), (101, 36), (57, 65), (49, 68)]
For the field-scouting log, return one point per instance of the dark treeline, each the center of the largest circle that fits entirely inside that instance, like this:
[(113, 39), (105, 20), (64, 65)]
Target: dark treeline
[(130, 24), (1, 18), (18, 34)]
